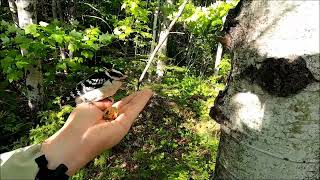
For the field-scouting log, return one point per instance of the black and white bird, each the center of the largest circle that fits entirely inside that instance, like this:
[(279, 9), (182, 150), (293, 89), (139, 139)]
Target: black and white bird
[(95, 88)]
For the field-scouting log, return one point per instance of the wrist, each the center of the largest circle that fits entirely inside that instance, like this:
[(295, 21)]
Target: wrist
[(55, 156)]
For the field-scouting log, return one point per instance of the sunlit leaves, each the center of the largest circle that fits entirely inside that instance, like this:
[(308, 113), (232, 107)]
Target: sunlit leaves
[(32, 29), (45, 42), (135, 23), (206, 20), (57, 38)]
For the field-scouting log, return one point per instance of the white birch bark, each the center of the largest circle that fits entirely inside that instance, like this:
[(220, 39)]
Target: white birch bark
[(269, 113), (163, 48), (34, 80), (14, 11)]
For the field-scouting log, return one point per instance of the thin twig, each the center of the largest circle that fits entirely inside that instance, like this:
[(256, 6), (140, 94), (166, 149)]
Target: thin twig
[(96, 17)]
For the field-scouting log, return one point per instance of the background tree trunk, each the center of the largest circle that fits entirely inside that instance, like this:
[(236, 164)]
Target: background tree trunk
[(219, 51), (59, 8), (14, 11), (164, 24), (269, 112), (34, 80), (54, 9), (155, 26), (72, 9)]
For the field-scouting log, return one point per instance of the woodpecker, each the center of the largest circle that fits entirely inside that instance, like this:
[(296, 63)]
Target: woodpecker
[(95, 88)]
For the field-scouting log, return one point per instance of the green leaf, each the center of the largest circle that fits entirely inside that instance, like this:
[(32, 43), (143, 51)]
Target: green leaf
[(71, 47), (5, 40), (4, 23), (32, 29), (57, 37), (75, 34), (105, 38), (87, 54), (12, 28), (22, 64)]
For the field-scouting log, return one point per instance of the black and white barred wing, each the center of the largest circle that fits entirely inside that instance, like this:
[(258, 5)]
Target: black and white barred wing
[(95, 88)]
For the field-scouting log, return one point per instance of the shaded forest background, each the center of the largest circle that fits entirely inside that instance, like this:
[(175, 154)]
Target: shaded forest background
[(174, 137)]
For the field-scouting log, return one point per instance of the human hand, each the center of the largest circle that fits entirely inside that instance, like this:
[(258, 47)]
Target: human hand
[(85, 134)]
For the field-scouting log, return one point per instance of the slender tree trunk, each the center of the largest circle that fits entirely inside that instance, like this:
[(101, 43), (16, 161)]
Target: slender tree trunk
[(269, 112), (219, 51), (72, 10), (34, 80), (155, 26), (54, 9), (164, 26), (59, 8), (163, 48), (14, 11)]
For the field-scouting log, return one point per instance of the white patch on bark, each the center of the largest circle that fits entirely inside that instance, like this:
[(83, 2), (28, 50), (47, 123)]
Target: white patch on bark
[(292, 30), (247, 111)]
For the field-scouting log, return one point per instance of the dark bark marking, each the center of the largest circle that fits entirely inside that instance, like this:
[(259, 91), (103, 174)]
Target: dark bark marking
[(231, 22), (34, 66), (27, 72), (216, 112), (231, 17), (280, 76), (30, 88), (38, 87)]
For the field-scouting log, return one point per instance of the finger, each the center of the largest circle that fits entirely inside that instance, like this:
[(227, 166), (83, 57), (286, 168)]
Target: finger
[(125, 100), (136, 105), (102, 105), (132, 109)]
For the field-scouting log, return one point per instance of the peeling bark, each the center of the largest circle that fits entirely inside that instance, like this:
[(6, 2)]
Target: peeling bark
[(269, 112)]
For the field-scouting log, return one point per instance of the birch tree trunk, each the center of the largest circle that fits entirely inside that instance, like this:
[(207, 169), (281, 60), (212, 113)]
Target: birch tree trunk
[(219, 51), (269, 112), (163, 49), (155, 26), (14, 11), (34, 80)]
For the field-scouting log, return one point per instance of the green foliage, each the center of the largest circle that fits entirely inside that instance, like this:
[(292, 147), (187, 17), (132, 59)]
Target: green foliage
[(135, 22), (42, 42), (206, 20), (51, 122), (189, 91), (225, 66)]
